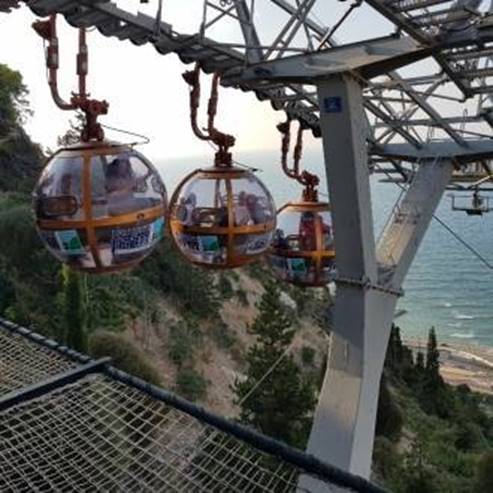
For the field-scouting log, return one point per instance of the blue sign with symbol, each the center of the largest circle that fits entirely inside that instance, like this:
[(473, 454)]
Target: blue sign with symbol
[(333, 104)]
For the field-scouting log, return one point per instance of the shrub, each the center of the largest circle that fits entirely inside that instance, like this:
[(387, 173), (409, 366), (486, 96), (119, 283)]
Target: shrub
[(124, 355), (423, 482), (181, 344), (191, 385), (468, 436), (225, 287), (463, 389), (307, 355), (484, 473), (193, 289), (224, 338), (389, 417), (242, 297), (417, 474), (386, 459)]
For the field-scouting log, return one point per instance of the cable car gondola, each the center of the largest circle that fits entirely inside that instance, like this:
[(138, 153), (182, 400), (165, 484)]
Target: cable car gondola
[(302, 251), (478, 205), (99, 205), (222, 216)]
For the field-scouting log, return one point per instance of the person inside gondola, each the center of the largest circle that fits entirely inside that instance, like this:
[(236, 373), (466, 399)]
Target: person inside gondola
[(256, 210), (69, 194), (242, 212), (121, 186), (307, 232), (280, 242), (328, 238), (186, 210), (477, 200), (309, 224)]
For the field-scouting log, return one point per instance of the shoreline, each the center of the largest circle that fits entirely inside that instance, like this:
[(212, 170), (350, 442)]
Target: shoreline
[(462, 363)]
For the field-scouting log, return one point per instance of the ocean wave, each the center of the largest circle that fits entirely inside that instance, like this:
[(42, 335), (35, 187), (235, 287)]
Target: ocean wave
[(454, 325), (463, 316), (463, 335)]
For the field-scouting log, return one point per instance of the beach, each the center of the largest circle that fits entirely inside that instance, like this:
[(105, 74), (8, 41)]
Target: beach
[(461, 363)]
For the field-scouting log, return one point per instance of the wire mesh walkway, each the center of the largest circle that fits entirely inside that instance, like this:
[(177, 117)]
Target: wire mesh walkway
[(68, 423)]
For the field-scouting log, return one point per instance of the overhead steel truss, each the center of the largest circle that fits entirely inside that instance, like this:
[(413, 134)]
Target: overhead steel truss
[(400, 109)]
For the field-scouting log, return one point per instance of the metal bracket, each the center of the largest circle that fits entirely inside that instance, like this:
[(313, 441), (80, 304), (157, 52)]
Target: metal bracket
[(366, 284)]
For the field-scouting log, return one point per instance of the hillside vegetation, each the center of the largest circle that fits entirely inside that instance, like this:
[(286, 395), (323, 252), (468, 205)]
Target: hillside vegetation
[(431, 437)]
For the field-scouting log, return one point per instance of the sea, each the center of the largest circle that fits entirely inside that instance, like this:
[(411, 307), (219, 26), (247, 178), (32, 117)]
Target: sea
[(447, 287)]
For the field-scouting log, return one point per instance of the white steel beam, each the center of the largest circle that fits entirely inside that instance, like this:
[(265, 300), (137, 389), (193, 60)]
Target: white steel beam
[(367, 293)]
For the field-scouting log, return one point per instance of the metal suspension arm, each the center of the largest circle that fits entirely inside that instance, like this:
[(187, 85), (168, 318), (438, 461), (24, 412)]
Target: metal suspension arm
[(222, 140), (91, 108), (48, 31), (308, 180)]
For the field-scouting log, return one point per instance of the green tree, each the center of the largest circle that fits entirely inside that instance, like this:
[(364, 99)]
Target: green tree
[(281, 403), (28, 269), (432, 356), (73, 310), (73, 134), (468, 436), (393, 358), (399, 361), (225, 287), (435, 396), (193, 289), (13, 98), (483, 481), (20, 159)]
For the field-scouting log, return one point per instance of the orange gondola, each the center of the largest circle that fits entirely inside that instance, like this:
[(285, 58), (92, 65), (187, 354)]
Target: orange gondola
[(99, 205), (302, 250), (222, 216)]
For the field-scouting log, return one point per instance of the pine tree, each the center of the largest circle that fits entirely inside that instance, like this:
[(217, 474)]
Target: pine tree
[(434, 395), (420, 366), (393, 360), (73, 310), (281, 405), (432, 356)]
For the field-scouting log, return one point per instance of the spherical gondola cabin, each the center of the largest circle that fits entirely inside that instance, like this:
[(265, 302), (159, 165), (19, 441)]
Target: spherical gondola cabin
[(99, 206), (302, 251), (222, 217)]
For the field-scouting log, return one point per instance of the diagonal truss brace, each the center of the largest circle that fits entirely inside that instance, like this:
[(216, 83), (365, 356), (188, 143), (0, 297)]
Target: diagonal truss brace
[(402, 236)]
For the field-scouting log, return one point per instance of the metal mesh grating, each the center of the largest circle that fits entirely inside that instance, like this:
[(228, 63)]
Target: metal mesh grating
[(98, 434), (23, 362), (108, 431)]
